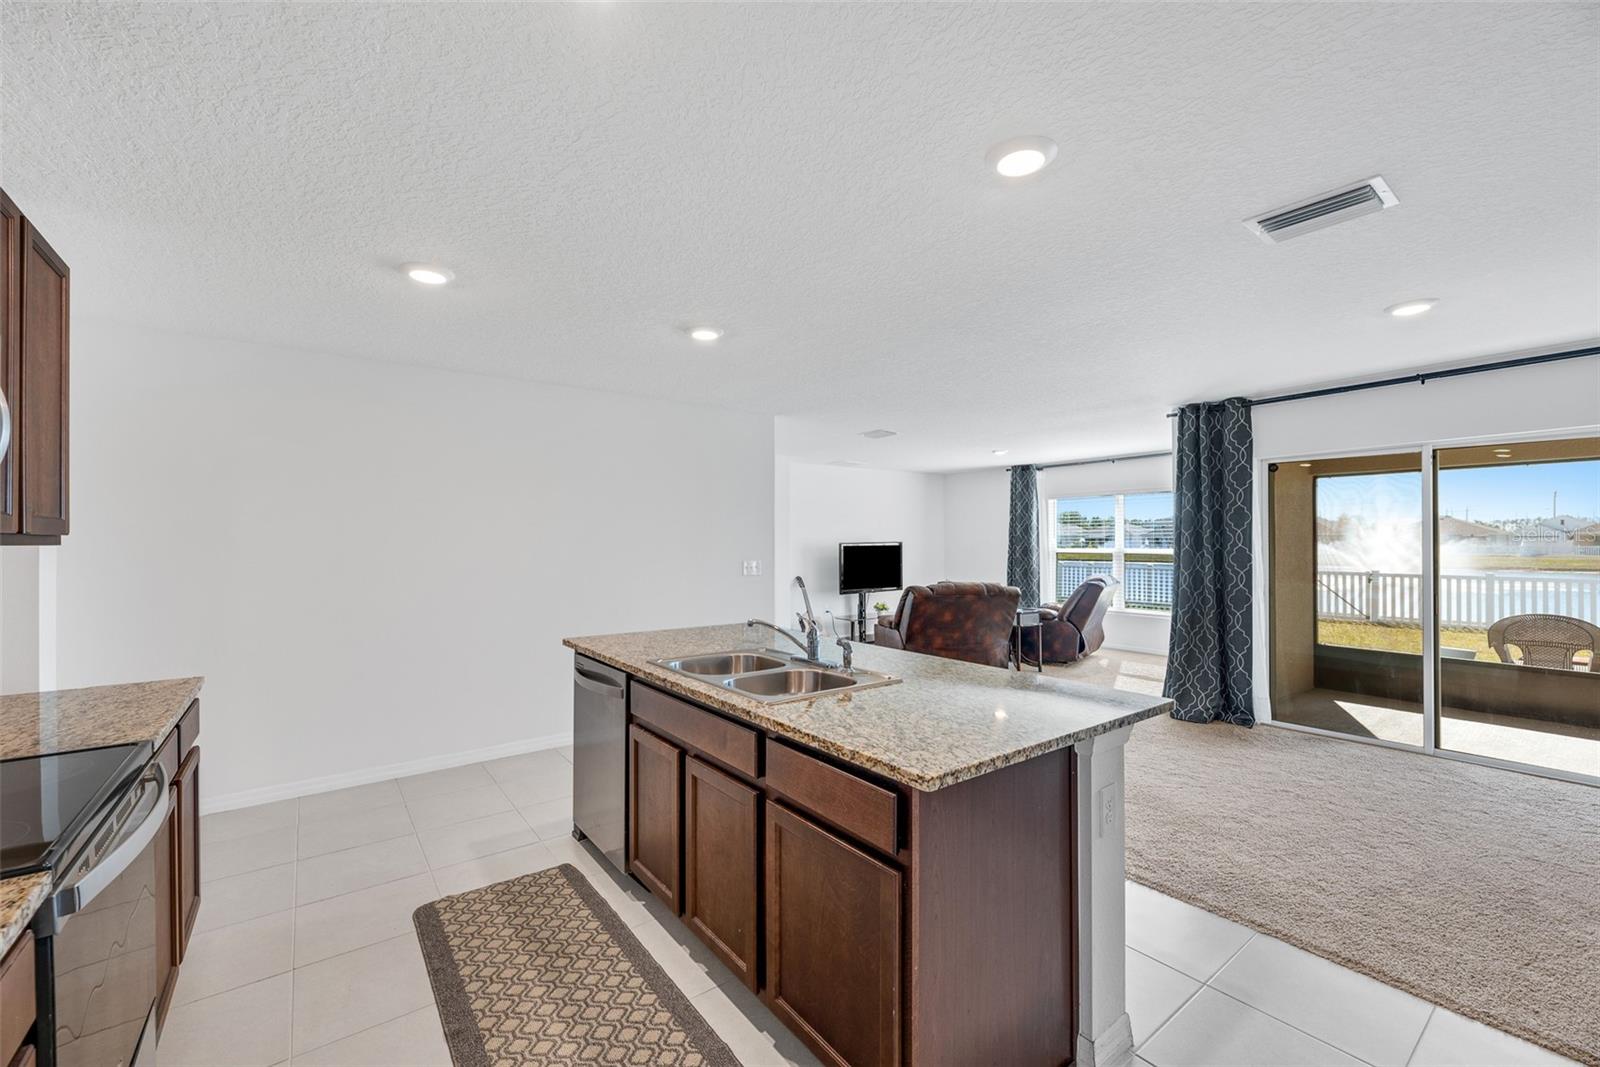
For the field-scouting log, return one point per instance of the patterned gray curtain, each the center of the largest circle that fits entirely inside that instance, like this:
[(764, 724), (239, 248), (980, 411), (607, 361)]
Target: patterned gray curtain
[(1022, 554), (1209, 660)]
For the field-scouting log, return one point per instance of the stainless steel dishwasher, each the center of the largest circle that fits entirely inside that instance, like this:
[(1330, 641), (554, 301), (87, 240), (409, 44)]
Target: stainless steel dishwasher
[(600, 757)]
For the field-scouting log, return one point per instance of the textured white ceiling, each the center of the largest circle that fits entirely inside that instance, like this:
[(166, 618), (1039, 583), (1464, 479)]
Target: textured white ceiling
[(811, 178)]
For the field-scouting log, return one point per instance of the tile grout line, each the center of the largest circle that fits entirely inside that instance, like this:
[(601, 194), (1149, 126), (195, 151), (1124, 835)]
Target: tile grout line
[(1292, 1026), (292, 970), (366, 1029), (1181, 1004), (1339, 1048), (1204, 984), (294, 923), (1433, 1010), (410, 934)]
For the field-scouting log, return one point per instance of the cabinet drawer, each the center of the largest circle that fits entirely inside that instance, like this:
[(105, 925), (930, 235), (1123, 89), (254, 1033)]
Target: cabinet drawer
[(728, 743), (17, 1007), (856, 806)]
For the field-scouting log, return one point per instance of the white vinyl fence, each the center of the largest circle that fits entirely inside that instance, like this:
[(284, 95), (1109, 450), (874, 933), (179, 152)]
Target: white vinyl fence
[(1473, 601)]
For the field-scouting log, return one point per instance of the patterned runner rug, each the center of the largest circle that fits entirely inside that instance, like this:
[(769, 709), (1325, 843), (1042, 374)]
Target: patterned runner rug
[(540, 970)]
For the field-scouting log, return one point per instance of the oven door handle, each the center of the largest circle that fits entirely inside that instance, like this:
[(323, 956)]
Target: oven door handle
[(131, 840)]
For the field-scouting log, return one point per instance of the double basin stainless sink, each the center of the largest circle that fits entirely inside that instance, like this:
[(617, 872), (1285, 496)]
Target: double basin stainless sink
[(769, 676)]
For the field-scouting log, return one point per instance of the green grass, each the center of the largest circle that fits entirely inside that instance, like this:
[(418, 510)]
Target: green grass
[(1394, 638), (1535, 563)]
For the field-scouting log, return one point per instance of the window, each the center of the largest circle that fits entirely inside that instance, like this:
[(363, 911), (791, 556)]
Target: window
[(1127, 536)]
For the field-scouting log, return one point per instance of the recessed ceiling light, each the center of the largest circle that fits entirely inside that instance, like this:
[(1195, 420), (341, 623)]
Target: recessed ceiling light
[(1001, 451), (1022, 156), (427, 274), (1411, 307), (705, 333), (1502, 451), (1305, 464)]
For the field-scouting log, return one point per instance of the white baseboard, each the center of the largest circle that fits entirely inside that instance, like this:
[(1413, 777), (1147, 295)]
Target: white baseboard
[(310, 786)]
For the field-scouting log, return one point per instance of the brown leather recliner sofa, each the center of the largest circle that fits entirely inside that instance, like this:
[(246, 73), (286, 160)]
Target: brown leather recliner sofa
[(1073, 628), (969, 621)]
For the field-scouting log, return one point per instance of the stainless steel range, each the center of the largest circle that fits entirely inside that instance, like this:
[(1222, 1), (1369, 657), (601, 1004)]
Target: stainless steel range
[(91, 818)]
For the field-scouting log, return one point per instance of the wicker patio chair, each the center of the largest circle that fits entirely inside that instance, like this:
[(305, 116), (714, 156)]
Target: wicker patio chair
[(1545, 640)]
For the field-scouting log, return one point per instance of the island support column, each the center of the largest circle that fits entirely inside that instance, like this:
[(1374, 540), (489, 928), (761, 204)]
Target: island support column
[(1105, 1038)]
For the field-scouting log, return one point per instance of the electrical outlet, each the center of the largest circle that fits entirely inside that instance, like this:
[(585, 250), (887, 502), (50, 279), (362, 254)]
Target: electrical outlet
[(752, 568), (1105, 807)]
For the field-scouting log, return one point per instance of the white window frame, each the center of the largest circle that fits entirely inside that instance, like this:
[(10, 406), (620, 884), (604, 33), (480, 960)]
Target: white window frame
[(1117, 554)]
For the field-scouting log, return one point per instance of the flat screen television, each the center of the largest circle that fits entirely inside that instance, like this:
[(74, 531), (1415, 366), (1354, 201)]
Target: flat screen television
[(868, 567)]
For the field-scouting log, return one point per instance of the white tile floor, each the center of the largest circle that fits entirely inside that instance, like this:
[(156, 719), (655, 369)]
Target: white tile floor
[(304, 949)]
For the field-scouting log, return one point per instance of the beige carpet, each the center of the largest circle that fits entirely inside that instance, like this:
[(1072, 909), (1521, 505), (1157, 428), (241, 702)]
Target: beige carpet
[(1470, 887), (540, 971)]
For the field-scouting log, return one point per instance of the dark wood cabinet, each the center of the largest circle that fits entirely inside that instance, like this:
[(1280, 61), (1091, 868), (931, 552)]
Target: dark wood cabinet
[(177, 849), (833, 942), (18, 1006), (655, 815), (722, 865), (34, 373), (10, 351), (186, 848), (882, 924)]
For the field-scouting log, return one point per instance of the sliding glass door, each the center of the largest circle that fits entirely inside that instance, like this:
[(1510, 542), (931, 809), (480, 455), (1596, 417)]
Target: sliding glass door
[(1346, 596), (1447, 599), (1519, 602)]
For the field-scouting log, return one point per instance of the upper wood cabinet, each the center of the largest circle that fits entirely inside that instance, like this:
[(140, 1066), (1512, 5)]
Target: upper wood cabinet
[(10, 352), (34, 343)]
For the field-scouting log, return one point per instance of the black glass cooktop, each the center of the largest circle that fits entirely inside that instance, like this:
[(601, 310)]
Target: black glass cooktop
[(46, 800)]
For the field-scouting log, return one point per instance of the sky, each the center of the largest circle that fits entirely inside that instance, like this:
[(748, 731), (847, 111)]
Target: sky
[(1136, 505), (1521, 492), (1482, 494)]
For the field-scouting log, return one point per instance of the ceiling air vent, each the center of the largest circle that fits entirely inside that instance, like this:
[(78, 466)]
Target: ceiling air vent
[(1328, 209)]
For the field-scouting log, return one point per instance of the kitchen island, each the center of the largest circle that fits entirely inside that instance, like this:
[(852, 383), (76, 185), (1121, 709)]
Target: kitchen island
[(925, 872)]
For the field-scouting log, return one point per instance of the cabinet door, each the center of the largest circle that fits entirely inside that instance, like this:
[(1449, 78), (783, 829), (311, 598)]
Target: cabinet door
[(10, 356), (41, 408), (721, 876), (186, 871), (833, 942), (655, 814)]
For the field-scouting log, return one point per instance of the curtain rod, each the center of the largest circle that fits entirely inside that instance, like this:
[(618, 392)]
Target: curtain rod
[(1425, 376), (1105, 459)]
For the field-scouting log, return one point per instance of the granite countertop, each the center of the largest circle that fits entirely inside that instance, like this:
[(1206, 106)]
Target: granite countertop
[(947, 721), (35, 724), (20, 897)]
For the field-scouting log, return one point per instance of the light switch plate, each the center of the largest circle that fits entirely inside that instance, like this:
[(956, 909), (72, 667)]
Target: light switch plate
[(752, 568)]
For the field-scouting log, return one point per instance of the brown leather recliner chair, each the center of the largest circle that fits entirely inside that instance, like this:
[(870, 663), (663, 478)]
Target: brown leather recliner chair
[(1073, 628), (969, 621)]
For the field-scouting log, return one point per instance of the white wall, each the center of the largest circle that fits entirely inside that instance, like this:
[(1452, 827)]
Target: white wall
[(374, 565), (1552, 399), (27, 619), (819, 505), (977, 506)]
